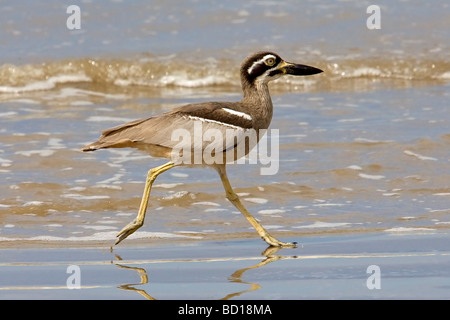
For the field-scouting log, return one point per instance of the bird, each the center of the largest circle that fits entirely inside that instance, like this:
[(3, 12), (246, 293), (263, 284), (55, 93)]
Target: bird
[(177, 134)]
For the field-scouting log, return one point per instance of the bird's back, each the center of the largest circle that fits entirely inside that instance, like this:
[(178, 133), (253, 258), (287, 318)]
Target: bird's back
[(211, 132)]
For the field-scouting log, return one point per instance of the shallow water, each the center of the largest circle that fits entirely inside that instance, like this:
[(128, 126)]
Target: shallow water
[(364, 147), (332, 267), (348, 161)]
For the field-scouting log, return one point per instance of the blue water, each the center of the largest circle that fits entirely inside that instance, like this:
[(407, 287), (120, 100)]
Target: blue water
[(38, 30)]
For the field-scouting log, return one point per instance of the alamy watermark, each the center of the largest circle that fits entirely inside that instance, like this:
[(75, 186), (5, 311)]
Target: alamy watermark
[(74, 280), (374, 20), (374, 280), (199, 144), (73, 22)]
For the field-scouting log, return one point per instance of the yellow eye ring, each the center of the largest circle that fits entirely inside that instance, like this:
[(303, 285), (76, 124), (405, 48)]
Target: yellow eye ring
[(270, 62)]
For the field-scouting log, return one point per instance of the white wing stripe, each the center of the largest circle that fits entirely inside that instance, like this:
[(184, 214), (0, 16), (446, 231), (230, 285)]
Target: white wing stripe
[(238, 113), (213, 121)]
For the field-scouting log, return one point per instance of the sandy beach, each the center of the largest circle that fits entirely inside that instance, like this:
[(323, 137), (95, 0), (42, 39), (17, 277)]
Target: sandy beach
[(361, 162)]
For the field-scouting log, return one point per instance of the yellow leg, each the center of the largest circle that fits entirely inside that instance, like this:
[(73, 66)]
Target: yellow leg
[(234, 199), (139, 221)]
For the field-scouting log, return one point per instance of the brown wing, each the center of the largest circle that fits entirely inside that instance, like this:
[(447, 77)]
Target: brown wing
[(184, 128), (136, 134)]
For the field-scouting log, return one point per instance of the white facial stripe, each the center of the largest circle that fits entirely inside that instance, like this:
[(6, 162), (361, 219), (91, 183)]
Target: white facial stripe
[(250, 70), (237, 113)]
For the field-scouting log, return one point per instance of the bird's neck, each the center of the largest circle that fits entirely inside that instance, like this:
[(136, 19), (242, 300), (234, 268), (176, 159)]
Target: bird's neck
[(257, 97)]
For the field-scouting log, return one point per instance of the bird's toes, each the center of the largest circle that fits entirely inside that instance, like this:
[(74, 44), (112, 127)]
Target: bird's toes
[(279, 244), (127, 230)]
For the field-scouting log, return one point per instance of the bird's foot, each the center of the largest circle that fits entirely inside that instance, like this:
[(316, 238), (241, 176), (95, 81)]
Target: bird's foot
[(127, 230), (277, 243)]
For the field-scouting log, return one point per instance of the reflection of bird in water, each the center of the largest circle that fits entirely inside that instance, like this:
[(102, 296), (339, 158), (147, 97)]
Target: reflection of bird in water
[(245, 121), (236, 277), (144, 279)]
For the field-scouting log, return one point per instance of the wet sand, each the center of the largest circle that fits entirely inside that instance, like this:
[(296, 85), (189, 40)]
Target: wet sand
[(413, 266)]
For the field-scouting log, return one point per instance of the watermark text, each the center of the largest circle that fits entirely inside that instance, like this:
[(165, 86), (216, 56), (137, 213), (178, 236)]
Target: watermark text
[(73, 22), (200, 144), (373, 22), (374, 280)]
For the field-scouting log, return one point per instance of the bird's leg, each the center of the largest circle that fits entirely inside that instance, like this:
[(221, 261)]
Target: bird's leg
[(234, 199), (139, 220)]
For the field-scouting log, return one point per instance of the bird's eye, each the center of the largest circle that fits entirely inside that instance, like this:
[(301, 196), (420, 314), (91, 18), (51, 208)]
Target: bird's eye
[(270, 62)]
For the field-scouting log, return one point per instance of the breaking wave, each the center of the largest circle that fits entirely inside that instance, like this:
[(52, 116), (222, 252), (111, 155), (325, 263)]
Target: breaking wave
[(178, 72)]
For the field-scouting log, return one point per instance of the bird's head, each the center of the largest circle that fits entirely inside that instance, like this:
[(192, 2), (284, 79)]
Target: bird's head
[(268, 66)]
